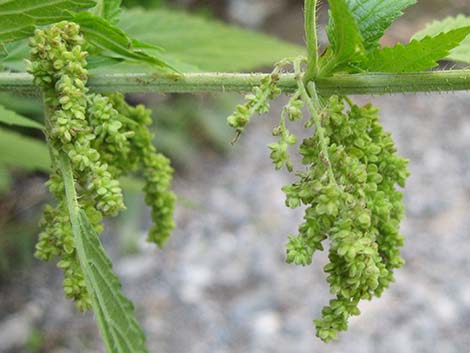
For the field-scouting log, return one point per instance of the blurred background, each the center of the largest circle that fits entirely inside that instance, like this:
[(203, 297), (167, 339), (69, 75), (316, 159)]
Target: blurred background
[(221, 285)]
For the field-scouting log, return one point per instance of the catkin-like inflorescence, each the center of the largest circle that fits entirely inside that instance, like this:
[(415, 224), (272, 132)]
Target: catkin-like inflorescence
[(359, 213), (103, 142), (157, 171)]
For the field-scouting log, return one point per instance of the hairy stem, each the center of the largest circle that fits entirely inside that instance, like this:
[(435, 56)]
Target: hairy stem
[(361, 84), (311, 38)]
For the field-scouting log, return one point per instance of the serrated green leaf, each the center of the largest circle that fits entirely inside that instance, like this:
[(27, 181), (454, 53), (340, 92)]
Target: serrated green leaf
[(375, 16), (194, 42), (113, 311), (19, 17), (346, 42), (21, 151), (113, 41), (418, 55), (108, 9), (460, 53), (10, 117)]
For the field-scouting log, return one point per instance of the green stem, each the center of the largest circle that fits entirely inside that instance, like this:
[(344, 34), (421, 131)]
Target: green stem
[(310, 98), (360, 84), (71, 197), (311, 38)]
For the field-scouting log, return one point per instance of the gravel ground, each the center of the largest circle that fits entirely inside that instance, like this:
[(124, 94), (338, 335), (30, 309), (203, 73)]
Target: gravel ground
[(222, 285)]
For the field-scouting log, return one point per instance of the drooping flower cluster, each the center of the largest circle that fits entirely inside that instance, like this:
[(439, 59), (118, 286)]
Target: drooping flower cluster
[(103, 142), (156, 169), (349, 188), (256, 102), (359, 211), (280, 150)]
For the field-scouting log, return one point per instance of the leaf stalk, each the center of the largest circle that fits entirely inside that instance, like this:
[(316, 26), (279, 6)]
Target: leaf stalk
[(311, 38)]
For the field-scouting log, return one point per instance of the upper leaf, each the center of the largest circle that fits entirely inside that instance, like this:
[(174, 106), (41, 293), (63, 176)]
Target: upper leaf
[(108, 9), (114, 42), (192, 42), (9, 117), (460, 53), (18, 18), (346, 42), (375, 16), (22, 151), (417, 56), (114, 312)]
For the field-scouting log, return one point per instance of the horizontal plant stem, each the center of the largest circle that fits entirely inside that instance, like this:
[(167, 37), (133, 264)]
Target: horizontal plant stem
[(357, 84)]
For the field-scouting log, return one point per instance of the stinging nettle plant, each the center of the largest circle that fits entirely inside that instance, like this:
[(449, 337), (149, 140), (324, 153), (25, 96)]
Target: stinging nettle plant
[(79, 60)]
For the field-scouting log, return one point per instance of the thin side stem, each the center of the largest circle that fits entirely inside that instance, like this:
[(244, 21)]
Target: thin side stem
[(312, 101), (357, 84), (311, 38)]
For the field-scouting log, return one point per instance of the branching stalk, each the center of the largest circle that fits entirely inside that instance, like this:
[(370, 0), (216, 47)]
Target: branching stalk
[(312, 101)]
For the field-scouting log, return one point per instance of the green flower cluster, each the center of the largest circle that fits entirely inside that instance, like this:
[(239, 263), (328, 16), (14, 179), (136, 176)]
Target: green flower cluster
[(351, 198), (104, 139), (157, 170), (279, 150), (256, 102)]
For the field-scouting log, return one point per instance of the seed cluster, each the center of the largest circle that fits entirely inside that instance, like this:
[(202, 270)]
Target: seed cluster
[(104, 138)]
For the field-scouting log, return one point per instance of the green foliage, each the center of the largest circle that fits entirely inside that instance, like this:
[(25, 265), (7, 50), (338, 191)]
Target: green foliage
[(23, 151), (358, 25), (115, 43), (107, 42), (27, 106), (460, 53), (346, 42), (19, 18), (197, 43), (114, 312), (108, 9), (9, 117), (161, 27), (144, 3), (172, 30), (373, 17), (419, 55)]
